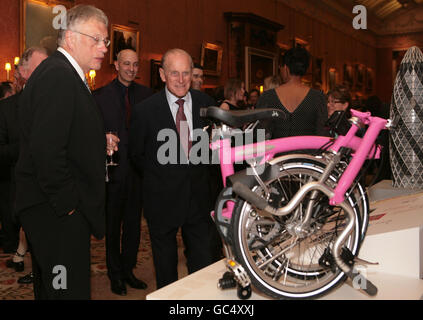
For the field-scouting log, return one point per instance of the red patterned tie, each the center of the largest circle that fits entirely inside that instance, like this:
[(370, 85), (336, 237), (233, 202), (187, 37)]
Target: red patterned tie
[(182, 124), (127, 107)]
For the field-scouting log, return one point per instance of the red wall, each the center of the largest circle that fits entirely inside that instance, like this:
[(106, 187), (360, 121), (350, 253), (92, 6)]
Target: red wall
[(9, 34), (165, 24)]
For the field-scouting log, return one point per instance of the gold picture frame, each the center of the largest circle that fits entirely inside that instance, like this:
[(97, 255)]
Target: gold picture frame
[(36, 23), (211, 58), (123, 37), (259, 64)]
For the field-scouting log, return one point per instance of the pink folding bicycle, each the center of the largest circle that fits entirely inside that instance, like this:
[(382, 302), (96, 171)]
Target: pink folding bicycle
[(292, 224)]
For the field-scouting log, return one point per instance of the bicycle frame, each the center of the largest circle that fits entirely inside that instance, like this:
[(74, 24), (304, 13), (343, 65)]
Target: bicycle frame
[(363, 148)]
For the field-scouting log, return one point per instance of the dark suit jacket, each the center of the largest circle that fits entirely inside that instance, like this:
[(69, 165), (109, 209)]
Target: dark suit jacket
[(171, 191), (109, 101), (9, 136), (62, 145)]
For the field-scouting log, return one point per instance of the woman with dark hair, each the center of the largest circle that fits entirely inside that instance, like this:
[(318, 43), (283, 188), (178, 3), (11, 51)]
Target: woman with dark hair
[(339, 99), (305, 108), (234, 95)]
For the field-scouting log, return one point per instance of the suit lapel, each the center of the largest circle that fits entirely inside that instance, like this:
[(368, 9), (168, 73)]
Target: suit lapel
[(83, 89), (166, 114), (196, 121)]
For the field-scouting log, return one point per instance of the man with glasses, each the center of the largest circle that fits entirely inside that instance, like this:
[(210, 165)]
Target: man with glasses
[(124, 202), (60, 174)]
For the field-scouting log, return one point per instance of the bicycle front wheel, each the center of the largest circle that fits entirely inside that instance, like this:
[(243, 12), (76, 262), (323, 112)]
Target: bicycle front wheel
[(280, 262)]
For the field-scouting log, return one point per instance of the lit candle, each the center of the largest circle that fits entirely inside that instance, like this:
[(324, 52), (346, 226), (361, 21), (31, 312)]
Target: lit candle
[(261, 89), (8, 67), (92, 75), (16, 61)]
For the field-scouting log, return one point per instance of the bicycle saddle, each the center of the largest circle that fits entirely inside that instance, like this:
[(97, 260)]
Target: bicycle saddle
[(241, 117)]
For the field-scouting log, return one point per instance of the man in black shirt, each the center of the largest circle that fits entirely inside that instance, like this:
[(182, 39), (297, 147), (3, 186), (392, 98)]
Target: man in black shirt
[(124, 202)]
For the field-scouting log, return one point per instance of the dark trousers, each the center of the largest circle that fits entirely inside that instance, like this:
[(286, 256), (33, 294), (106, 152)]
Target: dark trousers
[(123, 226), (10, 227), (60, 253), (195, 235)]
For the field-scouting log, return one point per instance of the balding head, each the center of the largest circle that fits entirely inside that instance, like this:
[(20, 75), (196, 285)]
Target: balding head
[(176, 52), (126, 65), (176, 71)]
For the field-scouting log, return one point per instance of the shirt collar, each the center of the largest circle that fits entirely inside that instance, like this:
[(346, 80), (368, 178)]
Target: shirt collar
[(171, 98), (121, 84), (73, 63)]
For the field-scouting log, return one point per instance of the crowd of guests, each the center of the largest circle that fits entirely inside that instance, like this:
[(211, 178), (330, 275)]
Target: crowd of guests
[(54, 137)]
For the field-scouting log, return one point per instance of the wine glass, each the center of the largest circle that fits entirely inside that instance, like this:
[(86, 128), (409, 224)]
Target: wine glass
[(110, 161)]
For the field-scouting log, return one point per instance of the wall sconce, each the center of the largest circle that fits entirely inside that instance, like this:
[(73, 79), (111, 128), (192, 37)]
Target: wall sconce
[(16, 62), (8, 67), (92, 75)]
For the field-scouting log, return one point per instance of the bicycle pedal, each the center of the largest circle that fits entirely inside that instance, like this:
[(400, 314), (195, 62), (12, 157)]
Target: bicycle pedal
[(239, 273), (365, 262)]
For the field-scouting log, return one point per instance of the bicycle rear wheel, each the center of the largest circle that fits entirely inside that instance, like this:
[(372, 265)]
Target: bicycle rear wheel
[(279, 262)]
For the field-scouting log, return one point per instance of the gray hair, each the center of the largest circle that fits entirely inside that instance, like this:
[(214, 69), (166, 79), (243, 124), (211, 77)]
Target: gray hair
[(272, 82), (27, 54), (79, 14), (176, 51)]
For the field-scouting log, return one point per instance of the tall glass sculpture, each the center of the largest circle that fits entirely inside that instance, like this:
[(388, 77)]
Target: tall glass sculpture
[(406, 147)]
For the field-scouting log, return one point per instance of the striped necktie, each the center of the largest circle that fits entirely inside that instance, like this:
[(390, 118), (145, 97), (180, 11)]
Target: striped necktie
[(183, 128)]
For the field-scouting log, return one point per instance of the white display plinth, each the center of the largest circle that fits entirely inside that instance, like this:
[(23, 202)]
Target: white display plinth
[(394, 240)]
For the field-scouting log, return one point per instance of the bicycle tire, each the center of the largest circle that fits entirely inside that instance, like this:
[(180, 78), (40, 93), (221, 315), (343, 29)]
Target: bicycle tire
[(300, 281)]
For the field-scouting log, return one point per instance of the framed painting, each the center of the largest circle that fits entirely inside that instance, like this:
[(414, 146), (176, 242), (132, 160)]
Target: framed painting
[(331, 83), (259, 64), (348, 78), (37, 23), (122, 37), (359, 76), (156, 82), (211, 58), (318, 73)]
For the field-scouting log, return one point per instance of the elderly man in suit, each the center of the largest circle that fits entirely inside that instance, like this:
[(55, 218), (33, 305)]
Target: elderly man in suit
[(124, 202), (175, 195), (9, 151), (60, 186)]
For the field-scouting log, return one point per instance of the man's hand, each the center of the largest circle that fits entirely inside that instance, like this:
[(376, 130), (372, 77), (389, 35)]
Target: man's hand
[(112, 143)]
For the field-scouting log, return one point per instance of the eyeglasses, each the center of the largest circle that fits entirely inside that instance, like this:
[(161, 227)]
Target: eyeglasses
[(334, 101), (96, 39)]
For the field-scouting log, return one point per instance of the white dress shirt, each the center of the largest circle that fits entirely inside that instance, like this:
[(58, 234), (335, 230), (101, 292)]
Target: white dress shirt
[(171, 100)]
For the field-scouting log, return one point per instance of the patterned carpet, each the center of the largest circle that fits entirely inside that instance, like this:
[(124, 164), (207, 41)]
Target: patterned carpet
[(100, 285)]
